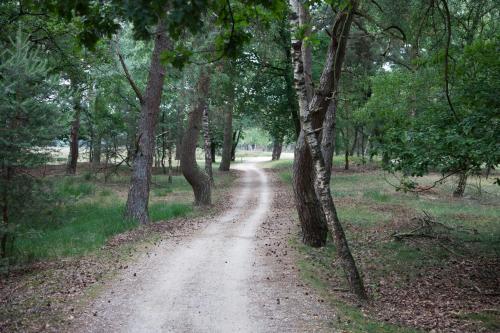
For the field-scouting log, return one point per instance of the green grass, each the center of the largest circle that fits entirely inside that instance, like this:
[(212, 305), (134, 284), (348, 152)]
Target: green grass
[(161, 211), (85, 215), (82, 228), (489, 319), (73, 187)]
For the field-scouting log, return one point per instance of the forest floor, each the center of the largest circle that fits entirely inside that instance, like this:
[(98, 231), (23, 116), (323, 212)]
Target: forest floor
[(444, 277), (240, 266)]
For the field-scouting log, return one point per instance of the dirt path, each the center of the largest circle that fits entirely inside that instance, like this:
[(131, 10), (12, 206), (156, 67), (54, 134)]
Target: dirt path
[(223, 278)]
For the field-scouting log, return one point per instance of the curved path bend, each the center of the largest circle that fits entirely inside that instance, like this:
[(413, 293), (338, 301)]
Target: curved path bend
[(207, 281)]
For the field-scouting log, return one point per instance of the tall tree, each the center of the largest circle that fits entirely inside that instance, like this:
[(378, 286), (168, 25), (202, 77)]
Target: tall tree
[(311, 216), (138, 196), (318, 104), (199, 180)]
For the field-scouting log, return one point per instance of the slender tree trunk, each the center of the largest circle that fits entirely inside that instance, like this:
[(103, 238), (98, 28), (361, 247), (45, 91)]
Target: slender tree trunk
[(73, 141), (328, 137), (212, 151), (208, 145), (346, 159), (96, 156), (462, 182), (319, 103), (138, 196), (236, 139), (170, 164), (228, 138), (277, 148), (199, 180)]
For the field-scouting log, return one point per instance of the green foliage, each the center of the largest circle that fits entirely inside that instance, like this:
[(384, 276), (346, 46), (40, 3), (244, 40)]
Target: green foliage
[(31, 120), (462, 139)]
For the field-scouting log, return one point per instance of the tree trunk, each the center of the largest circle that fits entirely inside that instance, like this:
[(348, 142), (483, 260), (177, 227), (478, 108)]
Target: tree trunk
[(170, 164), (228, 138), (311, 217), (208, 145), (212, 151), (346, 159), (462, 182), (236, 139), (319, 103), (138, 196), (73, 141), (96, 156), (199, 180), (277, 148), (328, 137)]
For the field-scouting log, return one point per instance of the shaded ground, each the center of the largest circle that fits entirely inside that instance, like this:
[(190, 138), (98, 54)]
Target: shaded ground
[(230, 276), (444, 281)]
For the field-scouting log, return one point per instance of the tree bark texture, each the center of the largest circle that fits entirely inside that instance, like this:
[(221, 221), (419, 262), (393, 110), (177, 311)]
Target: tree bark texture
[(73, 140), (319, 103), (462, 182), (236, 139), (208, 144), (199, 180), (227, 143), (96, 156), (311, 217), (277, 148), (328, 137), (138, 196)]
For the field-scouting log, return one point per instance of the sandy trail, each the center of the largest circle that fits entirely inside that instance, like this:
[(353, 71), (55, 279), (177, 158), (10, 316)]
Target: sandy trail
[(204, 282)]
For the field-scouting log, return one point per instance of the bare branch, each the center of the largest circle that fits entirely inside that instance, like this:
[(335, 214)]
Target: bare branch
[(129, 77)]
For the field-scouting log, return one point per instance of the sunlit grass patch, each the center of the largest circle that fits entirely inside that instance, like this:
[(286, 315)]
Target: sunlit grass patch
[(161, 211)]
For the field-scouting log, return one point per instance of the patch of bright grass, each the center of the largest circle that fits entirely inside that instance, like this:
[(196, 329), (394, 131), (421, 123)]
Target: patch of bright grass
[(377, 196), (82, 228), (78, 229), (286, 177), (361, 216), (161, 211), (74, 187)]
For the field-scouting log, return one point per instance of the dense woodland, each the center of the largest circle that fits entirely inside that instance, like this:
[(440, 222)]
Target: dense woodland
[(153, 94)]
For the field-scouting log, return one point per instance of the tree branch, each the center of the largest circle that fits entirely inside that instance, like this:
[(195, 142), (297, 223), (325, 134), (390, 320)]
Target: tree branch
[(129, 78)]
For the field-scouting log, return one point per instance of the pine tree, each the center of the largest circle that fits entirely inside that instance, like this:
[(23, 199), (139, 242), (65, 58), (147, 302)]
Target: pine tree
[(29, 118)]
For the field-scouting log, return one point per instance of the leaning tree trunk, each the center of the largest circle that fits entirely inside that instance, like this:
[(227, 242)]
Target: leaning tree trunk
[(227, 143), (462, 182), (199, 180), (236, 139), (319, 103), (311, 217), (208, 145), (328, 137), (73, 142), (138, 195)]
